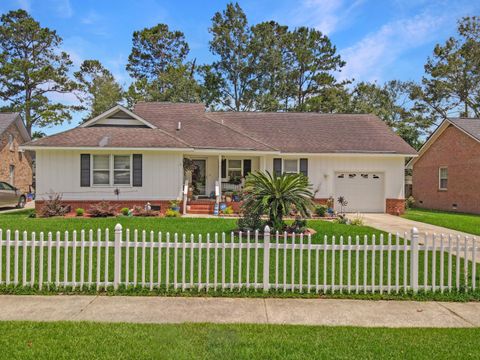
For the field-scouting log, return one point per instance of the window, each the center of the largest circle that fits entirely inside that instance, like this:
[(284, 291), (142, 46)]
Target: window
[(10, 142), (111, 170), (234, 169), (101, 169), (290, 166), (442, 178), (121, 170), (12, 174)]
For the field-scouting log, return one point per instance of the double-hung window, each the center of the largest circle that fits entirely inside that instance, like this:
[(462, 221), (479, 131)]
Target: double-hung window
[(234, 169), (111, 170), (290, 166), (443, 178)]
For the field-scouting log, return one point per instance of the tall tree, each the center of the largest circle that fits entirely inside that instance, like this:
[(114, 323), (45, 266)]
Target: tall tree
[(159, 66), (99, 89), (392, 103), (31, 69), (314, 59), (234, 71), (451, 86)]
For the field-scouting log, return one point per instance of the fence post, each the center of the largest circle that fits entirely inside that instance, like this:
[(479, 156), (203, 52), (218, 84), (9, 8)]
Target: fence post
[(414, 259), (266, 258), (118, 256)]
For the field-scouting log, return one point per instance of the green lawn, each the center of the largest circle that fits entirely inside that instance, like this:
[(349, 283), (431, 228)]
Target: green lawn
[(61, 340), (20, 221), (468, 223)]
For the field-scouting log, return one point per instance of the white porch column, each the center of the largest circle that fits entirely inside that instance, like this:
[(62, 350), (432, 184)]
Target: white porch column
[(262, 163), (220, 177)]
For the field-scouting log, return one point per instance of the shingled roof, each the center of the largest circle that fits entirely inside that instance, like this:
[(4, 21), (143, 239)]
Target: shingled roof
[(6, 119), (190, 126), (469, 125)]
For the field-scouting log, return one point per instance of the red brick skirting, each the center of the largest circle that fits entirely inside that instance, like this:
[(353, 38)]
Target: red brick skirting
[(85, 204), (395, 206)]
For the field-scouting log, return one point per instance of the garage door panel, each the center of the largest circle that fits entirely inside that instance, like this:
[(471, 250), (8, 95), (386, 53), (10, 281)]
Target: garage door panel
[(364, 191)]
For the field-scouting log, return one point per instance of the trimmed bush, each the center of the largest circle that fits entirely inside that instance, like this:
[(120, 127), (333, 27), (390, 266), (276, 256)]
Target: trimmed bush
[(321, 210), (172, 213), (102, 209), (79, 212), (125, 211)]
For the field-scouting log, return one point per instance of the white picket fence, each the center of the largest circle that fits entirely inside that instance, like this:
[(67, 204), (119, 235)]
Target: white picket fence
[(218, 262)]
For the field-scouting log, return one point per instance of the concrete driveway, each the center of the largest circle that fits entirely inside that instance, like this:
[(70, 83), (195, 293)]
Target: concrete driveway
[(28, 205), (394, 224)]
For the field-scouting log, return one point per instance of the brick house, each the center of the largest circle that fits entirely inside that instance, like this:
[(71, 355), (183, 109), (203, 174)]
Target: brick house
[(15, 163), (446, 174)]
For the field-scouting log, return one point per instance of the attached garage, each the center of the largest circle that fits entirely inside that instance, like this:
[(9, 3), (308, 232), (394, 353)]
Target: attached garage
[(364, 191)]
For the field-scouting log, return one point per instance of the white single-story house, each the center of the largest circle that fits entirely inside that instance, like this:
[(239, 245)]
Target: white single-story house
[(134, 157)]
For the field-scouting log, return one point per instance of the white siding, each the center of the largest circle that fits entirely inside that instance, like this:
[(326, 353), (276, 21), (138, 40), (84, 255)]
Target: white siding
[(58, 171), (322, 168)]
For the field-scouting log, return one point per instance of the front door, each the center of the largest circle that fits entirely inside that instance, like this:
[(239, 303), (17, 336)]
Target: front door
[(199, 179)]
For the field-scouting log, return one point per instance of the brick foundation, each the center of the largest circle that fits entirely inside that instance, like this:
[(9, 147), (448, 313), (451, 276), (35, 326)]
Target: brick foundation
[(395, 206), (85, 204), (320, 201)]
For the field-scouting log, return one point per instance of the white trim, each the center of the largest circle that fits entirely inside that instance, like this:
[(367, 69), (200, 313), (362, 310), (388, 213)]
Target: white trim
[(440, 168), (113, 111)]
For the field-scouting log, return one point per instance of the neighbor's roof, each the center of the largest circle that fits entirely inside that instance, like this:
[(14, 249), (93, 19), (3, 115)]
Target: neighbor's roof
[(285, 132), (8, 118), (469, 125)]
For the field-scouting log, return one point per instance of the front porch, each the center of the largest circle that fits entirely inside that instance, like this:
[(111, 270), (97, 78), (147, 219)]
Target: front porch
[(211, 179)]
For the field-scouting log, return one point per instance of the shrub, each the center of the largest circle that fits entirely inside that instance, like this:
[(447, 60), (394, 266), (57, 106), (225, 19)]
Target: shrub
[(174, 204), (125, 211), (342, 219), (228, 210), (139, 211), (321, 210), (275, 196), (356, 221), (172, 213), (250, 221), (299, 226), (410, 202), (54, 207), (79, 211), (102, 209)]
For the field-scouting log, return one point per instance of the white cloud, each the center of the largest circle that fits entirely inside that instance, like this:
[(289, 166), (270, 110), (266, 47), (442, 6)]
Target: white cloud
[(91, 18), (63, 8), (327, 16), (376, 52)]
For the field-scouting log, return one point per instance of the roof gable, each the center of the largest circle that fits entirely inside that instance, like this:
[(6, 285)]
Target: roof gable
[(118, 116), (9, 118), (470, 127)]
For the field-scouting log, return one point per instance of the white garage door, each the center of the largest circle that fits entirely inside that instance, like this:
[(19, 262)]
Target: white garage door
[(364, 191)]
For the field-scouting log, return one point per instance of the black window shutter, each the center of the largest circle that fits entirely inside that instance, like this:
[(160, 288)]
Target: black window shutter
[(247, 167), (277, 166), (84, 170), (304, 166), (224, 168), (137, 170)]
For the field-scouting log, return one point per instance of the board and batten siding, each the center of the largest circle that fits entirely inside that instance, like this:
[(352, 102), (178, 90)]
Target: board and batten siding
[(322, 169), (58, 171)]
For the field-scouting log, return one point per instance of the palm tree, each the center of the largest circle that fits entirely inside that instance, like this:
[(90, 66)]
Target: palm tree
[(275, 196)]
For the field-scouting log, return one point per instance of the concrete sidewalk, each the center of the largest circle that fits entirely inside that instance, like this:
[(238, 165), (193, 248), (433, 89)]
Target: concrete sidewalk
[(330, 312)]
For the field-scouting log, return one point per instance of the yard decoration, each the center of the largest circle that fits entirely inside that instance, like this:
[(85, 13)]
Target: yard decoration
[(275, 196), (342, 202)]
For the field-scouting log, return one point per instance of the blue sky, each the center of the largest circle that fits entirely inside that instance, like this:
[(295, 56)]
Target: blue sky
[(380, 40)]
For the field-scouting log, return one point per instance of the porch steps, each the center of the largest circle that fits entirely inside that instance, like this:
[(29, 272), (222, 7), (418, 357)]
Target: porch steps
[(201, 207)]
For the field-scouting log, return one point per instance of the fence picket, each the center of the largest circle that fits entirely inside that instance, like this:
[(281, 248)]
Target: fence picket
[(167, 262), (457, 270), (397, 263), (82, 258), (349, 265), (24, 259), (192, 243), (215, 265), (7, 259), (317, 260), (232, 260), (240, 260), (49, 258), (341, 265), (57, 260), (292, 275), (300, 277), (159, 264), (152, 243), (449, 275), (135, 258), (223, 261), (277, 239), (200, 261), (405, 262), (333, 265), (373, 262), (248, 259), (175, 261), (127, 257), (425, 264), (365, 263), (434, 262), (15, 259), (474, 262), (144, 252), (389, 264), (65, 259), (309, 251), (285, 261), (40, 262), (207, 270), (32, 260), (256, 260), (184, 260), (357, 264), (325, 255), (74, 258), (381, 263), (442, 264), (90, 257)]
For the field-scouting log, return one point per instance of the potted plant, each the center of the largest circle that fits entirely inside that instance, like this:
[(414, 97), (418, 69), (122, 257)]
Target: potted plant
[(175, 205)]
